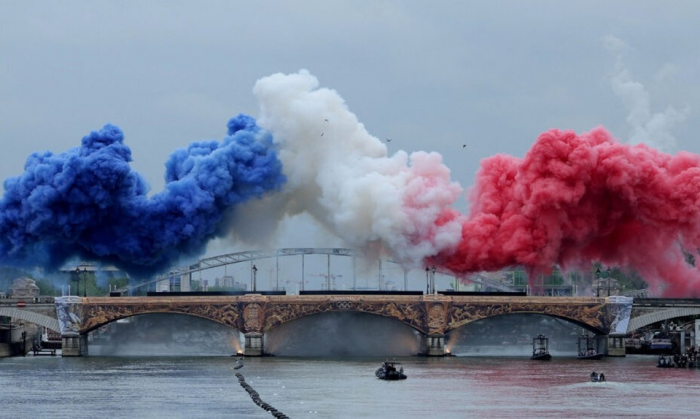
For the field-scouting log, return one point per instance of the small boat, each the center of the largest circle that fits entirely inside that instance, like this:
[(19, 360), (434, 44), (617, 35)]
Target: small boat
[(661, 342), (587, 347), (664, 362), (540, 348), (597, 377), (388, 371), (681, 361)]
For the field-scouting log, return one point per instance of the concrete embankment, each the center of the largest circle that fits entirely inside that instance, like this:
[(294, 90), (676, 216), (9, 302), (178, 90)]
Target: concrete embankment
[(17, 340), (5, 350)]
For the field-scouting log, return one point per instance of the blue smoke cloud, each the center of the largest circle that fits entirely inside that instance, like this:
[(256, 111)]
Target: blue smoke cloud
[(88, 203)]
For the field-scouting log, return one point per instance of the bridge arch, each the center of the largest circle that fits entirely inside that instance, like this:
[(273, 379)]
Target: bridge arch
[(659, 316), (570, 320), (31, 317), (405, 313), (100, 315), (93, 326), (588, 313), (343, 333)]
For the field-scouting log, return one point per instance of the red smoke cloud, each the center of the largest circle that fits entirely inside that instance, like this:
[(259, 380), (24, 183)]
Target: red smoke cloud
[(574, 199)]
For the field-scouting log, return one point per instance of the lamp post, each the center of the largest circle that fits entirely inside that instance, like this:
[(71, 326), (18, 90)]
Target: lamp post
[(608, 274), (432, 271), (427, 280), (255, 279), (77, 281), (597, 276), (81, 275)]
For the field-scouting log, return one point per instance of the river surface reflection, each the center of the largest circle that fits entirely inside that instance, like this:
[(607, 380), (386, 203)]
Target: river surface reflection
[(452, 387)]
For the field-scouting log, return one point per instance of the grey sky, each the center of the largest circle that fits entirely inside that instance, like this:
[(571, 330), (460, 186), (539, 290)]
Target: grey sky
[(429, 75)]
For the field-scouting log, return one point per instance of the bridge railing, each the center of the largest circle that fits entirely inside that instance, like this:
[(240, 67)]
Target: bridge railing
[(667, 302), (643, 293), (13, 301)]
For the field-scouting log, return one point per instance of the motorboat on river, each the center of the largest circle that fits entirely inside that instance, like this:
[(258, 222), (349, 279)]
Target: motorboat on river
[(388, 371), (661, 343), (597, 377), (540, 348), (665, 362), (587, 347)]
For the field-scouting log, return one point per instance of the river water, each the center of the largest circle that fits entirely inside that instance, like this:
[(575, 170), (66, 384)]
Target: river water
[(451, 387)]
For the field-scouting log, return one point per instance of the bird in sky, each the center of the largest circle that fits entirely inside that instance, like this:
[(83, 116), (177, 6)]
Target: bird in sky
[(464, 145), (388, 140)]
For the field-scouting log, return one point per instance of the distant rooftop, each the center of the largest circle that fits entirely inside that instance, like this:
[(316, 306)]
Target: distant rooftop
[(89, 267)]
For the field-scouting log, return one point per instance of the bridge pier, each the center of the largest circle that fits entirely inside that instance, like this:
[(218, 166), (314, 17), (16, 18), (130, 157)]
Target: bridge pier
[(253, 344), (74, 345), (616, 345), (434, 344)]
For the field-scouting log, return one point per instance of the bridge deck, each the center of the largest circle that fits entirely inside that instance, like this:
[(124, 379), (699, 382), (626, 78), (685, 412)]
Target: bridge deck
[(335, 297)]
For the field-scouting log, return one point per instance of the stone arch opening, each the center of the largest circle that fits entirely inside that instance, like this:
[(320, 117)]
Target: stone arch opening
[(511, 334), (164, 334), (343, 334)]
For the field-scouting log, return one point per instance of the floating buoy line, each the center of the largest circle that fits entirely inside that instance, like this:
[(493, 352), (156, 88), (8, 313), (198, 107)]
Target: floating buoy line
[(257, 400)]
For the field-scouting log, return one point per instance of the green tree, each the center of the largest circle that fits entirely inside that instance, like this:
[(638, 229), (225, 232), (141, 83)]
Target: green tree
[(118, 282), (47, 287)]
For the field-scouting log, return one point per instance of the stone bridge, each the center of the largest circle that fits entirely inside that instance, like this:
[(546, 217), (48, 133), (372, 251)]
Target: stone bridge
[(432, 315)]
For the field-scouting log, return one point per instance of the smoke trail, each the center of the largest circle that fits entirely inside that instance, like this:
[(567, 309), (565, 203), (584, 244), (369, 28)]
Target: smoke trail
[(87, 202), (646, 128), (580, 198)]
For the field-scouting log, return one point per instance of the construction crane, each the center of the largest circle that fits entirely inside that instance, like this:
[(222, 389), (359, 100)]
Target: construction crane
[(298, 284)]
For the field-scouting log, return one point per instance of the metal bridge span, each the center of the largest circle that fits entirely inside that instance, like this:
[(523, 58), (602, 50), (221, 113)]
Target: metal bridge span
[(251, 256)]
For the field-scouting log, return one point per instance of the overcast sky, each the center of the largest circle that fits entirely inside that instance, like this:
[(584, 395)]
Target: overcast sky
[(431, 76)]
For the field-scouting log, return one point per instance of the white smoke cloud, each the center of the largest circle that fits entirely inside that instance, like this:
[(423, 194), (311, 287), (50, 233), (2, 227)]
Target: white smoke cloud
[(652, 129)]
